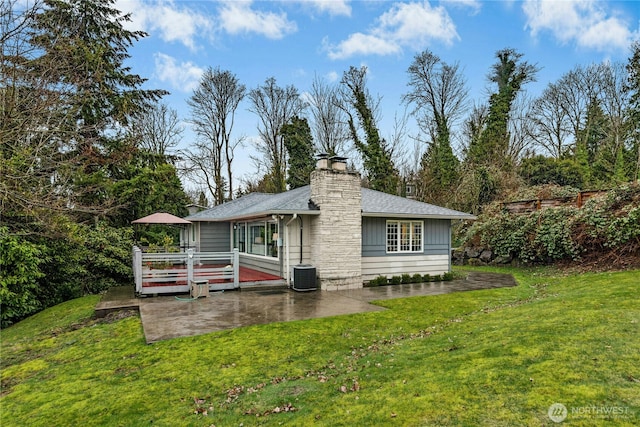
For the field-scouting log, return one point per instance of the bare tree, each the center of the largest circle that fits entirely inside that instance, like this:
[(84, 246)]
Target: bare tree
[(275, 106), (520, 128), (615, 101), (158, 131), (474, 125), (438, 93), (576, 90), (330, 129), (213, 106), (551, 127)]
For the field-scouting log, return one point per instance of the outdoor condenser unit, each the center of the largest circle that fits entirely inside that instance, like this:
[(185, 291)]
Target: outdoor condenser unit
[(304, 277)]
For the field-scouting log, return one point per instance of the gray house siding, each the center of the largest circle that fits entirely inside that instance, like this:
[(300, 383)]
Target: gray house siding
[(215, 237), (377, 262), (437, 235)]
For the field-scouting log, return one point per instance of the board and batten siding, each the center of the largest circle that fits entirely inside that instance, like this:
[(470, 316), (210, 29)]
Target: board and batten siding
[(433, 260), (215, 237)]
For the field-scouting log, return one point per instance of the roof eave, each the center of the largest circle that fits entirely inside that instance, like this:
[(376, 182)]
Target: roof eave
[(410, 215), (256, 215)]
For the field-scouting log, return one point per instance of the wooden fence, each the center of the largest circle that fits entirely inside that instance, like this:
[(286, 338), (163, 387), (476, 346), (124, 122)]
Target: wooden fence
[(174, 272), (525, 206)]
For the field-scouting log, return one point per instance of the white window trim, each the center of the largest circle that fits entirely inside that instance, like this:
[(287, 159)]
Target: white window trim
[(411, 239), (247, 225)]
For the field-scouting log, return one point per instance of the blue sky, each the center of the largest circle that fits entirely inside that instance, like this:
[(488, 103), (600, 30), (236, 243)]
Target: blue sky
[(294, 41)]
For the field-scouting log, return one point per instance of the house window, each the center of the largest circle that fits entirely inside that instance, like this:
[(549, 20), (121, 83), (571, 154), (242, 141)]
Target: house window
[(257, 233), (404, 236), (256, 238)]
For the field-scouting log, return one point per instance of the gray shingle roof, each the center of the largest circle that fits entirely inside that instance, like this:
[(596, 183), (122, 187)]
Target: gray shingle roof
[(259, 204), (374, 203)]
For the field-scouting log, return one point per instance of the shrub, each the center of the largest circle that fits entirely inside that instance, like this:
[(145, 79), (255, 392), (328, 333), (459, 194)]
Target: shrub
[(379, 281), (19, 275), (607, 225), (406, 278), (447, 277), (436, 278), (395, 280), (416, 278), (426, 278)]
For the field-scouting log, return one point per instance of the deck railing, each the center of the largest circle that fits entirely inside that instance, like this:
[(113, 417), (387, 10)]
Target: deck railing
[(174, 272)]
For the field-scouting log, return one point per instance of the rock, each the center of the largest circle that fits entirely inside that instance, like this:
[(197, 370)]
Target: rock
[(472, 252), (457, 256), (486, 255), (503, 259), (475, 262)]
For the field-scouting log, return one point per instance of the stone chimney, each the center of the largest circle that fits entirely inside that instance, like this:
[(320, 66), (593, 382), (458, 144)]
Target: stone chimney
[(336, 234)]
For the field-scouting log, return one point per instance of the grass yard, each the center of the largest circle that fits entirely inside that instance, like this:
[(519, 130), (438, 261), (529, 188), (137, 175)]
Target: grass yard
[(494, 358)]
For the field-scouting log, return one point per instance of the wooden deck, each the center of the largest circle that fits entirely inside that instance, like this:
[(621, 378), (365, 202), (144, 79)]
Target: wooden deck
[(177, 275), (185, 272)]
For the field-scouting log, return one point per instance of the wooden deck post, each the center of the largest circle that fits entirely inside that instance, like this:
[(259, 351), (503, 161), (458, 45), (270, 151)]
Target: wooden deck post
[(190, 254), (236, 268), (137, 268)]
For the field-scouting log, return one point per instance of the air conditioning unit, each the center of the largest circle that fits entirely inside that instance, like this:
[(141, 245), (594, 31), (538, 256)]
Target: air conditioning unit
[(304, 277)]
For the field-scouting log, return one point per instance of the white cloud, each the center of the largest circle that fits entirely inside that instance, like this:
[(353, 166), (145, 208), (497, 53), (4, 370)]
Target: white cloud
[(405, 24), (184, 76), (332, 76), (585, 22), (363, 44), (332, 7), (473, 5), (166, 20), (238, 17)]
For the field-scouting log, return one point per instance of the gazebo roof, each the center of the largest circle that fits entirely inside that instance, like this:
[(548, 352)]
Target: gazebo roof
[(161, 218)]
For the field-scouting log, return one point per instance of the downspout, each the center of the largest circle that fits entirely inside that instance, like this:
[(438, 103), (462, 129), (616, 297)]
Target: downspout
[(286, 234), (300, 219)]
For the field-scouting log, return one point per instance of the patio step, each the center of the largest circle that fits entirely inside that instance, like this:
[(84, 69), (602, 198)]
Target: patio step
[(119, 298), (266, 285)]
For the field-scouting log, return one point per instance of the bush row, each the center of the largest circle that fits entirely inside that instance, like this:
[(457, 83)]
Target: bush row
[(408, 278)]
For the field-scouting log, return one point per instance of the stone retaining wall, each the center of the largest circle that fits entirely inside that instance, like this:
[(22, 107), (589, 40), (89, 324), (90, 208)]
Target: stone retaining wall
[(475, 256)]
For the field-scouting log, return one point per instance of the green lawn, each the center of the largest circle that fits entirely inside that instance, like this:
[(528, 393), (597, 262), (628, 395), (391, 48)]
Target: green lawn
[(495, 358)]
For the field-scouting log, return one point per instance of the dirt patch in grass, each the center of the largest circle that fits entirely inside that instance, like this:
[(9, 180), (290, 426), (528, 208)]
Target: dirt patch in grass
[(90, 321), (601, 262)]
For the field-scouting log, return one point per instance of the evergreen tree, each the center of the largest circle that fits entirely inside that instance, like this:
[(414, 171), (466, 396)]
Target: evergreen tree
[(70, 93), (590, 152), (299, 144)]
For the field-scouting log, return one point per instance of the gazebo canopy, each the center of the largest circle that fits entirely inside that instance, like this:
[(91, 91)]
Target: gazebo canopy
[(161, 218)]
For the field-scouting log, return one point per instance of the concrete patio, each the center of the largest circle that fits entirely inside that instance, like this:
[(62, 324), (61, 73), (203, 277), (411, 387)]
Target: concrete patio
[(168, 317)]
